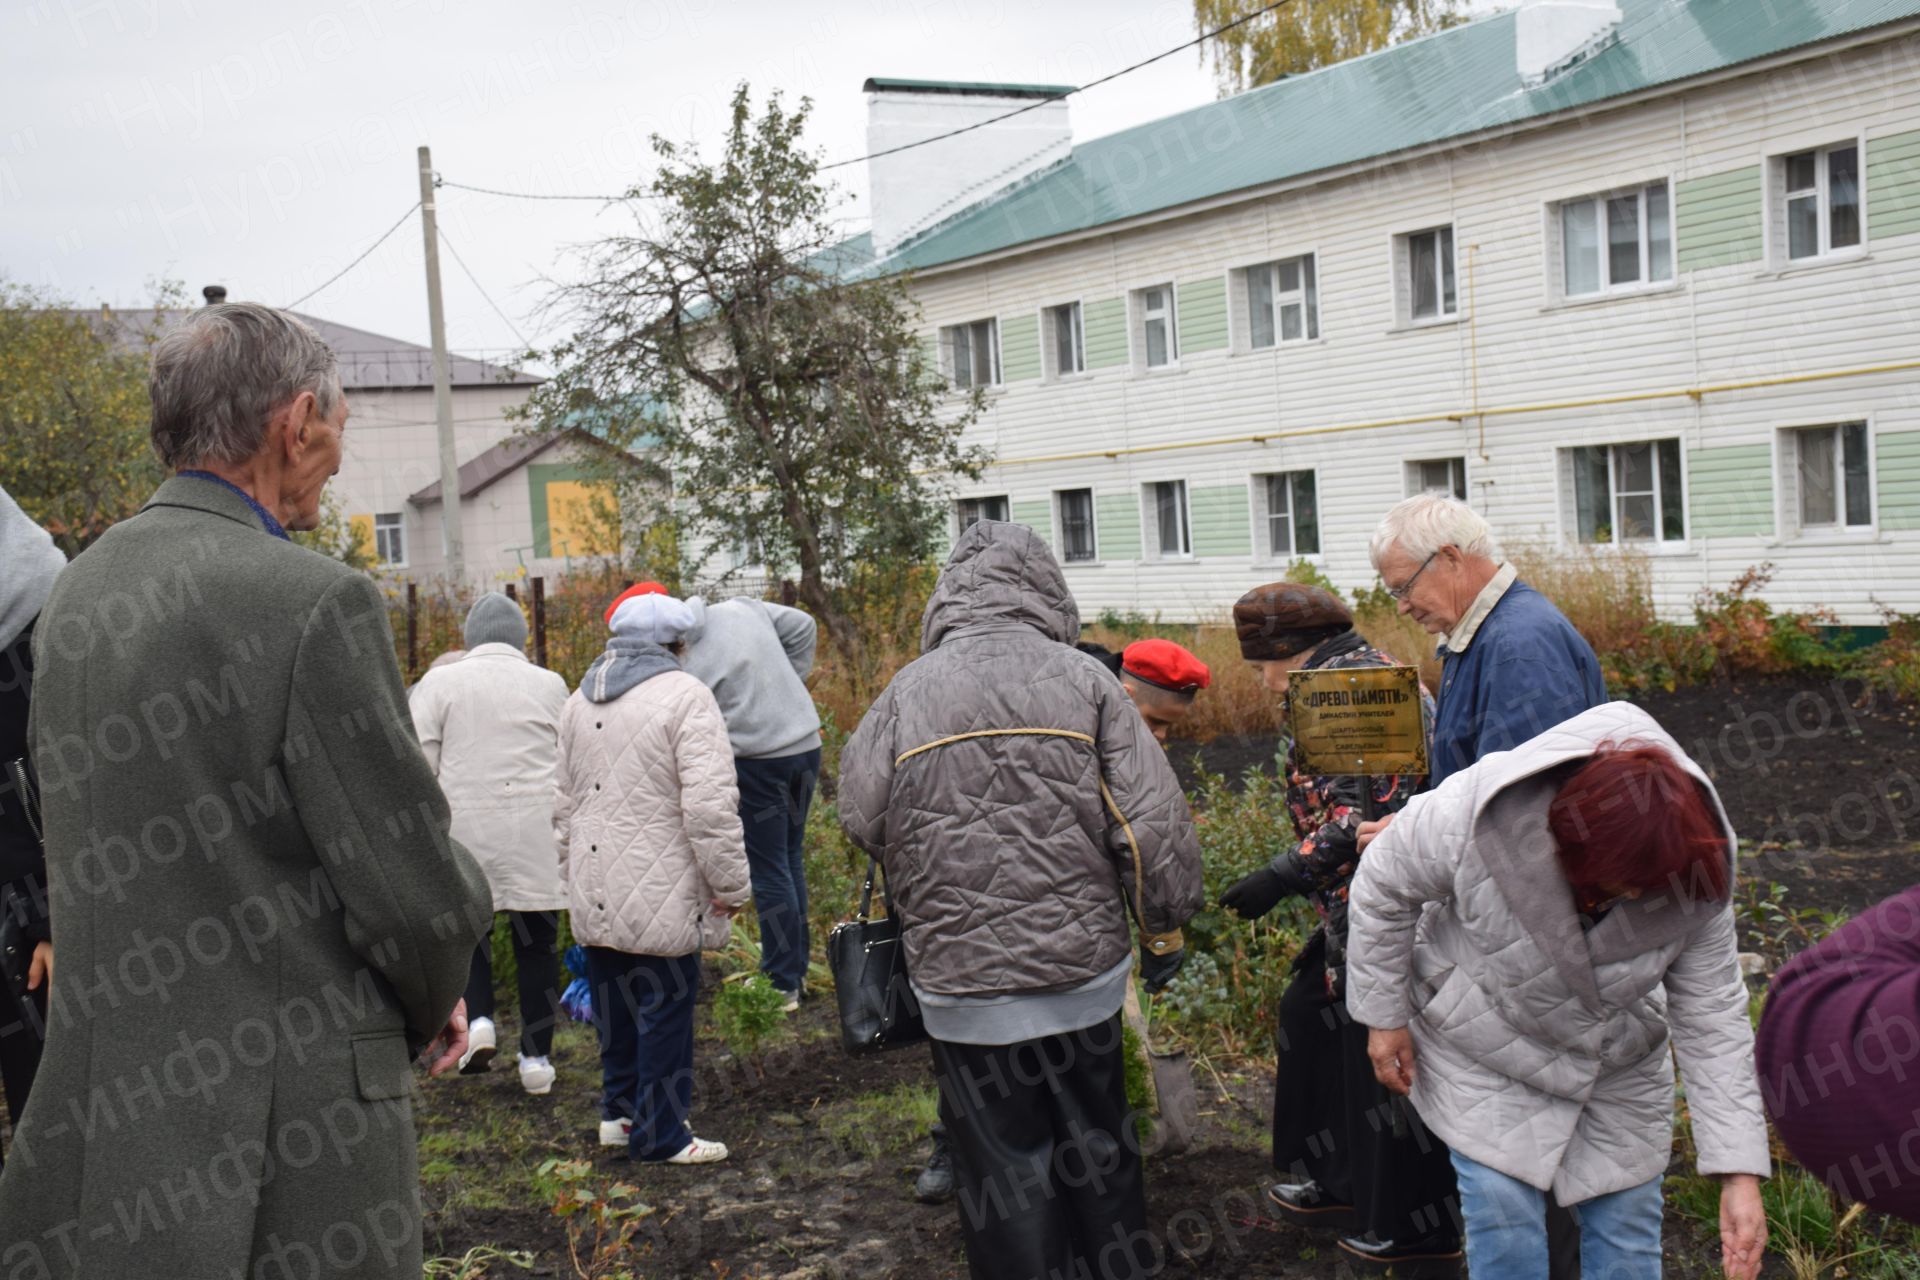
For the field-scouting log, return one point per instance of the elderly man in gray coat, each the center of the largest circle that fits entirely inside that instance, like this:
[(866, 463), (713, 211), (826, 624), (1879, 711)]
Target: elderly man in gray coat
[(1020, 807), (259, 915)]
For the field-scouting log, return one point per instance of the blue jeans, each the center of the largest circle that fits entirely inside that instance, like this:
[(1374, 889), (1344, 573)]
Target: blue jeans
[(1507, 1228), (643, 1009), (774, 796)]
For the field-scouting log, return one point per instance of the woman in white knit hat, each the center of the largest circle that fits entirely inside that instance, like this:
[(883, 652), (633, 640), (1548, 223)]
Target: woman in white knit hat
[(647, 826)]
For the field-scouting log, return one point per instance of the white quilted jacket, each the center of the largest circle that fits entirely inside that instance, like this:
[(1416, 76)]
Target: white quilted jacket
[(1543, 1051), (646, 820)]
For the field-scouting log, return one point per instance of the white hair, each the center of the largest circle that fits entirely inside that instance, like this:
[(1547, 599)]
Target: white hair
[(1423, 524), (219, 377)]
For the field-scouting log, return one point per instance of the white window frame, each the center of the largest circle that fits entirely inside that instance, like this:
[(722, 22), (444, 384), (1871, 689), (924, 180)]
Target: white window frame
[(1137, 307), (960, 526), (1093, 523), (1822, 195), (1773, 169), (1569, 501), (1049, 349), (1240, 291), (1789, 523), (1262, 515), (950, 352), (1556, 239), (1410, 475), (399, 531), (1402, 257), (1150, 519)]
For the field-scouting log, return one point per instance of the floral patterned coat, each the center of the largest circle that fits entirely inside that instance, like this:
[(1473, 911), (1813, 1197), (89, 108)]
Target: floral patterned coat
[(1327, 812)]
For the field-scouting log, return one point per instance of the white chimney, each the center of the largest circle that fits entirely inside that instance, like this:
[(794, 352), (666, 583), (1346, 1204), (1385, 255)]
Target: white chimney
[(1550, 36), (917, 189)]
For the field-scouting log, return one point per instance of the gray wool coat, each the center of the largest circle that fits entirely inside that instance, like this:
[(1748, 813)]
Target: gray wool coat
[(1543, 1051), (258, 914), (1009, 787)]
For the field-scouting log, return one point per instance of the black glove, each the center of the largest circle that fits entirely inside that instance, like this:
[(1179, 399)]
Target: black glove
[(1156, 971), (1254, 895)]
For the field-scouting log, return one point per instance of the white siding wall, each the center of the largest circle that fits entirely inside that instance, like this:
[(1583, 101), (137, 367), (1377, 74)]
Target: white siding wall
[(1521, 347)]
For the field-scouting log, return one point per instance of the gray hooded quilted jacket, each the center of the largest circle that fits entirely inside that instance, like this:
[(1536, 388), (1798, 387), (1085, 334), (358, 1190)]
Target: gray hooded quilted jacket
[(1011, 790), (1543, 1051)]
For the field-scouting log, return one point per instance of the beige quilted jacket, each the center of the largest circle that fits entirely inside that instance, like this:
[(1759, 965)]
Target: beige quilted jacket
[(1542, 1050), (646, 820)]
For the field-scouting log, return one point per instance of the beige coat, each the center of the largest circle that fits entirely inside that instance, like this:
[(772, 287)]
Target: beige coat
[(487, 724), (647, 820)]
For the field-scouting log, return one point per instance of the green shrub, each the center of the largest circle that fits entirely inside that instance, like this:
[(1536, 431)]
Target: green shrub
[(747, 1012)]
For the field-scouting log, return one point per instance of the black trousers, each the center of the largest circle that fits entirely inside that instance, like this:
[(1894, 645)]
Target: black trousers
[(1334, 1123), (534, 933), (23, 1030), (1046, 1168)]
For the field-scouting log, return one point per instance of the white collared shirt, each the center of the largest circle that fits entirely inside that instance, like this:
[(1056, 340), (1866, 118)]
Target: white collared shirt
[(1461, 636)]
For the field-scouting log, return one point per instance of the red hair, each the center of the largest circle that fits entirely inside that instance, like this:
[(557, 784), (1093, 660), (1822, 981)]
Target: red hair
[(1633, 818)]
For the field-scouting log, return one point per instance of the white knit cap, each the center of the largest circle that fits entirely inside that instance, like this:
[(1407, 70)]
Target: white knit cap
[(659, 618)]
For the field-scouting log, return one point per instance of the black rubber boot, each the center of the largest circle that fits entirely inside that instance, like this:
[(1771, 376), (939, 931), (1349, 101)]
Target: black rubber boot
[(935, 1183)]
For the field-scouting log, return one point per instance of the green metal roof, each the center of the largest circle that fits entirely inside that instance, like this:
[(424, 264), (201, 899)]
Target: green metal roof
[(969, 86), (1447, 85)]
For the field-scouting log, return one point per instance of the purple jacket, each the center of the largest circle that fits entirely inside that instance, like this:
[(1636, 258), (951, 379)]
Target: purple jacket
[(1839, 1051)]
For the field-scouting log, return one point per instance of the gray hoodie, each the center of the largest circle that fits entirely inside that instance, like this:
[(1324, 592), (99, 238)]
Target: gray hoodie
[(755, 657)]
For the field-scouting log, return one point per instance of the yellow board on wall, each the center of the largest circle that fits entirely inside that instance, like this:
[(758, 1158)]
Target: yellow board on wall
[(362, 527), (575, 526)]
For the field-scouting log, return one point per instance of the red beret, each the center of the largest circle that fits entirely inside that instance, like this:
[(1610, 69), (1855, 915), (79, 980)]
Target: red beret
[(637, 589), (1166, 665)]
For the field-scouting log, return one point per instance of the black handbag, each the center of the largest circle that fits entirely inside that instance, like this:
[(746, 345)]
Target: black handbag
[(878, 1010)]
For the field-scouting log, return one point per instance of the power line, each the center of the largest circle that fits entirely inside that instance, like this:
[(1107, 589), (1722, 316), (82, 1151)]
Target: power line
[(356, 262), (483, 292), (439, 181), (939, 137), (1035, 106)]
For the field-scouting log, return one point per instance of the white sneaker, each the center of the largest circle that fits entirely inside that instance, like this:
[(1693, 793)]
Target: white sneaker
[(792, 1002), (614, 1133), (699, 1151), (536, 1074), (481, 1046)]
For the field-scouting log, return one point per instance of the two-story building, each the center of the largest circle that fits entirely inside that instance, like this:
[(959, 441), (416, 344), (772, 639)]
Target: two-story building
[(1638, 277)]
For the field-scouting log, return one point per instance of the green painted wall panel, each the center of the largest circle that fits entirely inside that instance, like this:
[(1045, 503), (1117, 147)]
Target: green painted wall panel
[(1222, 525), (1201, 310), (1719, 219), (1116, 522), (1730, 491), (1898, 462), (1037, 515), (1019, 347), (1893, 185), (1105, 326)]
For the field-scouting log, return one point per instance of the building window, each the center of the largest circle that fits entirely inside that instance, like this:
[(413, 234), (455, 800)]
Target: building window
[(1615, 242), (971, 511), (1832, 478), (1283, 302), (1159, 343), (1289, 514), (1628, 492), (1444, 476), (973, 353), (1074, 509), (1822, 200), (1429, 276), (1167, 513), (389, 539), (1066, 340)]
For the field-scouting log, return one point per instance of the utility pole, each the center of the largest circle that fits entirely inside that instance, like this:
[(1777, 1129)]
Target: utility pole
[(442, 382)]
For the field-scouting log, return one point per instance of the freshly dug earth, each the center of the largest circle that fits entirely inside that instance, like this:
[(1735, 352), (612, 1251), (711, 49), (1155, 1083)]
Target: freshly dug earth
[(825, 1148)]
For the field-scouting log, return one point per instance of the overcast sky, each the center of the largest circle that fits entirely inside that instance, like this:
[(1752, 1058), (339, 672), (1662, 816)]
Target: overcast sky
[(262, 144)]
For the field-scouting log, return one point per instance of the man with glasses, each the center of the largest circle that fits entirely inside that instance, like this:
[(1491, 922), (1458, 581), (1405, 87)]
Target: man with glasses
[(1512, 667)]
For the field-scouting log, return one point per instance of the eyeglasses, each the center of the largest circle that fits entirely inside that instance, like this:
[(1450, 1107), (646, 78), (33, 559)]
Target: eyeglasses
[(1400, 592)]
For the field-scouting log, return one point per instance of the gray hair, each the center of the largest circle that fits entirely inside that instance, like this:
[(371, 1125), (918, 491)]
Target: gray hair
[(219, 377), (1423, 524)]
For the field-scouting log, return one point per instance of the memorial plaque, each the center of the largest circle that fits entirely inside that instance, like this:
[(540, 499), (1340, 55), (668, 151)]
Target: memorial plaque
[(1361, 721)]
